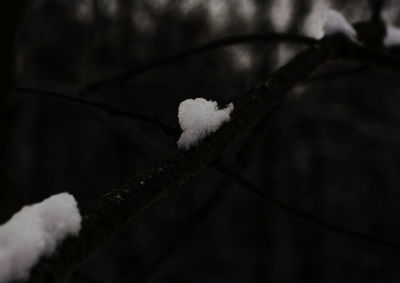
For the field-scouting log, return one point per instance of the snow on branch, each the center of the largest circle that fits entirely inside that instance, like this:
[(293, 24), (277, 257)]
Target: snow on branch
[(198, 118), (34, 232), (111, 212), (335, 23), (392, 37)]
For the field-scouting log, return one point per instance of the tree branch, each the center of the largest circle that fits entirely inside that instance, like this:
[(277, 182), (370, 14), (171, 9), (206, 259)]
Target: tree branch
[(302, 214), (362, 54), (114, 210), (352, 51), (338, 74), (100, 105), (213, 45), (209, 206), (150, 269)]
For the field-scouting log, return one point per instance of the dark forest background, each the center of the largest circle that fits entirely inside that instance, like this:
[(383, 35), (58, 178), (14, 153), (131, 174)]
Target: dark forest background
[(333, 148)]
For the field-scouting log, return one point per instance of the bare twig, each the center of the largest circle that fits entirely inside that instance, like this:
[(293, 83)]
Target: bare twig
[(371, 57), (219, 43), (352, 51), (302, 214), (211, 204), (338, 74), (103, 106), (337, 113)]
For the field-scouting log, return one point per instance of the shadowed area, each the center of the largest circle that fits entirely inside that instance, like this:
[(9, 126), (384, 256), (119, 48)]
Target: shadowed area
[(333, 148)]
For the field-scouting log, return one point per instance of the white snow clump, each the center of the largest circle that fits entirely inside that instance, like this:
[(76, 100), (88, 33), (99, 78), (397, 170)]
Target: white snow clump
[(198, 118), (335, 22), (35, 231), (392, 37)]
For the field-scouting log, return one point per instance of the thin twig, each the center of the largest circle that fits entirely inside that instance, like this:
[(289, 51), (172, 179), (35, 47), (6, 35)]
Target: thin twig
[(351, 50), (370, 57), (213, 45), (302, 214), (103, 106), (338, 74), (208, 208)]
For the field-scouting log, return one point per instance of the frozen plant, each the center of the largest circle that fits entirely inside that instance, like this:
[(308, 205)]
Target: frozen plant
[(198, 118), (34, 232)]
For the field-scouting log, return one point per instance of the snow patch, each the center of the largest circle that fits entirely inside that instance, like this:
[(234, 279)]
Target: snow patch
[(392, 37), (313, 23), (35, 231), (198, 118), (335, 23)]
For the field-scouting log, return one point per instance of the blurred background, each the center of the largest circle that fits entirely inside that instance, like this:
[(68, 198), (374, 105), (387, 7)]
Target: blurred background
[(333, 148)]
